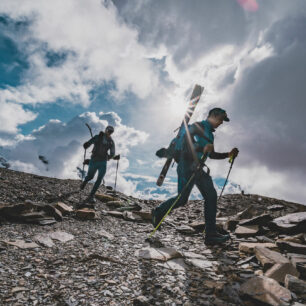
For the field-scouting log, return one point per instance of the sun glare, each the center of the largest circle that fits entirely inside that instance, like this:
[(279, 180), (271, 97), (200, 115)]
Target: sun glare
[(178, 109)]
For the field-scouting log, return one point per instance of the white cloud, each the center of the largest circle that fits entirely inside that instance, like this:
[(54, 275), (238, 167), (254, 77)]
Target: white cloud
[(11, 115), (95, 45), (61, 144)]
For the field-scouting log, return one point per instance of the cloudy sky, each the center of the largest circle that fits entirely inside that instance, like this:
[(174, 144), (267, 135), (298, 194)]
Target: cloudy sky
[(133, 64)]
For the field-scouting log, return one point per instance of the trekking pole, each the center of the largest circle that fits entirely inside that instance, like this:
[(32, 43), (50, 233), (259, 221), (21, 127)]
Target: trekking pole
[(200, 165), (83, 165), (90, 131), (117, 158), (231, 160)]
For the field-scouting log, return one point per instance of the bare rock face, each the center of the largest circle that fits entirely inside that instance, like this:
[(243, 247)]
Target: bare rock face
[(162, 254), (292, 247), (63, 208), (266, 290), (258, 220), (296, 285), (247, 230), (291, 223), (104, 197), (268, 258), (22, 244), (280, 270), (109, 259), (249, 247), (85, 214)]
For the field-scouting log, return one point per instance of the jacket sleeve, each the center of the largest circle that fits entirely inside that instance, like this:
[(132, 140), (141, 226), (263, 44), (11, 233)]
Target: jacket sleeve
[(91, 141), (112, 150), (217, 155)]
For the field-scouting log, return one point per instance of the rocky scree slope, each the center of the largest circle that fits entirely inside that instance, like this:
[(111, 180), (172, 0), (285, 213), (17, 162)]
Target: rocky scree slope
[(53, 254)]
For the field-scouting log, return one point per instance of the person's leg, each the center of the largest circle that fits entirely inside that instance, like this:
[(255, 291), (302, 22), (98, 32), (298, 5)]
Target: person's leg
[(92, 169), (205, 184), (184, 173), (208, 191), (101, 166)]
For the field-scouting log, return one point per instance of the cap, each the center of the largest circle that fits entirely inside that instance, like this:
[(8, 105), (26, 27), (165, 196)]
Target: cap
[(109, 129), (217, 112)]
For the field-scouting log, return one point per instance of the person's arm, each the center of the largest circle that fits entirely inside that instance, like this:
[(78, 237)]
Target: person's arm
[(112, 151), (91, 141), (217, 155)]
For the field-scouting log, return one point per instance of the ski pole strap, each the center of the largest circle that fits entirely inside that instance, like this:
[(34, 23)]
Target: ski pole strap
[(201, 163)]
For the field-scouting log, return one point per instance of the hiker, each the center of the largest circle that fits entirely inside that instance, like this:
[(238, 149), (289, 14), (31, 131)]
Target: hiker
[(99, 157), (199, 140)]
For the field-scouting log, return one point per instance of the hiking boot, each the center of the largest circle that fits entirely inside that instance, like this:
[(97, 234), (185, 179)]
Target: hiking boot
[(82, 186), (91, 199), (155, 219), (215, 238)]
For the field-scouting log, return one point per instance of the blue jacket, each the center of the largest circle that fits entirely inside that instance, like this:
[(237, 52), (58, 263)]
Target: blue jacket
[(200, 134)]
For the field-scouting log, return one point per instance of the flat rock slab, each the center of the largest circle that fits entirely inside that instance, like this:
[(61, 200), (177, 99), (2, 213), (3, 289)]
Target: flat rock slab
[(291, 223), (104, 197), (47, 221), (162, 254), (292, 247), (185, 229), (115, 204), (21, 244), (280, 270), (275, 207), (144, 215), (268, 258), (86, 214), (113, 213), (248, 247), (64, 208), (44, 239), (201, 263), (299, 238), (177, 264), (194, 255), (105, 234), (294, 284), (248, 213), (247, 231), (259, 220), (130, 216), (52, 211), (266, 290), (61, 236), (198, 225)]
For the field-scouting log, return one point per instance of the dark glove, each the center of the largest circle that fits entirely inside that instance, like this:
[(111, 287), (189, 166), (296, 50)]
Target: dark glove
[(86, 145), (234, 153), (116, 157), (86, 162)]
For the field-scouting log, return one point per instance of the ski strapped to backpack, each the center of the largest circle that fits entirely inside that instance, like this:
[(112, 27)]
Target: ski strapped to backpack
[(173, 151)]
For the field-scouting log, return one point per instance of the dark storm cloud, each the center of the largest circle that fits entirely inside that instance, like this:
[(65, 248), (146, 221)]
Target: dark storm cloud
[(269, 101), (187, 28)]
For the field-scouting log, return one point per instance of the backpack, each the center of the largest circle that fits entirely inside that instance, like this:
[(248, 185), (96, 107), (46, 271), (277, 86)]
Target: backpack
[(177, 145), (175, 148)]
